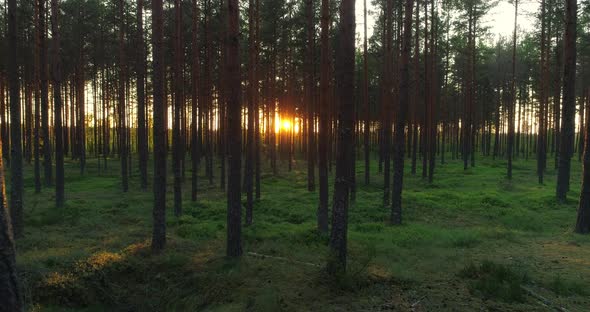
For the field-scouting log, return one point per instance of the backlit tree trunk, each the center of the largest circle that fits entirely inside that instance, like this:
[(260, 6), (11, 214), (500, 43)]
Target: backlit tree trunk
[(234, 128), (159, 129), (345, 90), (569, 101)]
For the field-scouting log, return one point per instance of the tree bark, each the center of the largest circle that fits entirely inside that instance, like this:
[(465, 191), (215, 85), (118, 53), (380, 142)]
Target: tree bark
[(142, 135), (398, 170), (16, 148), (178, 107), (324, 108), (159, 129), (57, 103), (569, 101), (345, 86), (234, 128)]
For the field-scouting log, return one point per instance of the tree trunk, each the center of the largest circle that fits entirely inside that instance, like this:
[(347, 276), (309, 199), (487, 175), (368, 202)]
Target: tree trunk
[(57, 103), (16, 151), (159, 130), (569, 101), (583, 221), (142, 135), (252, 98), (309, 95), (195, 142), (178, 107), (234, 205), (324, 107), (398, 170), (345, 86), (11, 298), (365, 93)]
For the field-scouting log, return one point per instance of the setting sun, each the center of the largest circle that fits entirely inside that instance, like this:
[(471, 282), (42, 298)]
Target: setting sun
[(286, 124)]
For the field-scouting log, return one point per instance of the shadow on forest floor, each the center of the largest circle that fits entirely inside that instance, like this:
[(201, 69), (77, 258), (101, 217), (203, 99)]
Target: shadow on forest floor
[(471, 241)]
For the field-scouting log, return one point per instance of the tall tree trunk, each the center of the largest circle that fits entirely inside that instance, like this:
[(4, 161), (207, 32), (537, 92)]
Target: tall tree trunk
[(512, 103), (45, 97), (16, 148), (257, 116), (234, 205), (142, 135), (398, 170), (345, 86), (159, 130), (195, 141), (178, 107), (57, 103), (309, 95), (387, 99), (121, 99), (569, 101), (365, 93), (11, 298), (324, 108), (583, 220), (252, 111), (39, 31)]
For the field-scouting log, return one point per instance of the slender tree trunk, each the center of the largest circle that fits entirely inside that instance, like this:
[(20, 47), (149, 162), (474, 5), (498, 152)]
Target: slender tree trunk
[(234, 205), (11, 298), (569, 101), (16, 148), (159, 130), (345, 86), (367, 128), (512, 103), (309, 95), (195, 141), (387, 99), (257, 108), (121, 99), (45, 97), (324, 107), (398, 170), (583, 220), (57, 103), (178, 107), (252, 98), (39, 30), (142, 135)]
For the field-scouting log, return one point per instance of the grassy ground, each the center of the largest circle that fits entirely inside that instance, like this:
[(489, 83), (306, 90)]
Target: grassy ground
[(471, 241)]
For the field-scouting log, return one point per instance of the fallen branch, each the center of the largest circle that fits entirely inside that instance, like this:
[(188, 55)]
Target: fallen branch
[(257, 255)]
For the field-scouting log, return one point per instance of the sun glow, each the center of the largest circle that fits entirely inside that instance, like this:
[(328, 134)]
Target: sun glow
[(286, 124)]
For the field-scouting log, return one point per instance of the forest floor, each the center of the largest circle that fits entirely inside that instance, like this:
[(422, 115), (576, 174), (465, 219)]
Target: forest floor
[(471, 241)]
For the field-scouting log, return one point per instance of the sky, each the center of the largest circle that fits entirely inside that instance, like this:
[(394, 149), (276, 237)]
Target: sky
[(500, 19)]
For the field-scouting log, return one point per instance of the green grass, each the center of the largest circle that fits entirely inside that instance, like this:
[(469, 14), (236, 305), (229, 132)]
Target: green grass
[(466, 243)]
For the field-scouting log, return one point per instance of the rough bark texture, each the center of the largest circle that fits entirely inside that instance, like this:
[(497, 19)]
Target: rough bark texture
[(325, 54), (252, 111), (583, 220), (142, 135), (398, 170), (159, 210), (11, 299), (44, 97), (345, 87), (309, 96), (234, 128), (57, 106), (178, 107), (195, 103), (569, 101), (16, 149)]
